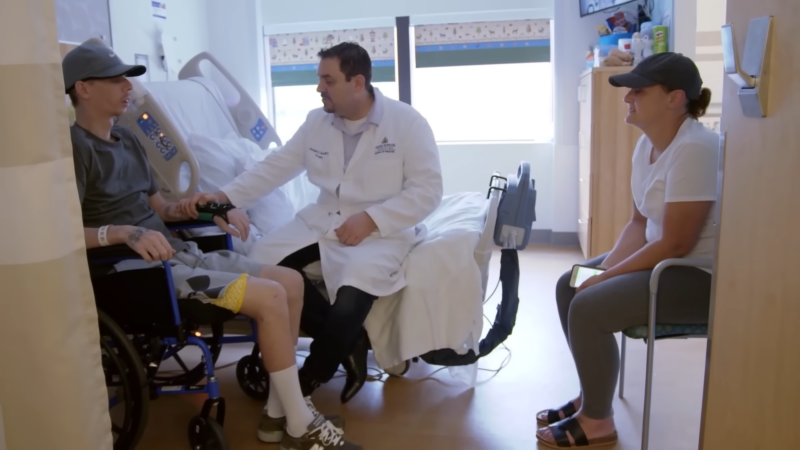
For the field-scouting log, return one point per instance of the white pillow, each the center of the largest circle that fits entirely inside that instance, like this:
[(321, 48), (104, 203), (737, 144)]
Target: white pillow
[(221, 160), (276, 208)]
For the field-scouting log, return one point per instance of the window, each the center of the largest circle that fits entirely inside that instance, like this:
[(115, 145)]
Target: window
[(293, 69), (485, 81)]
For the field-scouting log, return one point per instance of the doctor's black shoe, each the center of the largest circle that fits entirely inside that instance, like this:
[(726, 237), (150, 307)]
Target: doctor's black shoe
[(321, 435), (356, 367)]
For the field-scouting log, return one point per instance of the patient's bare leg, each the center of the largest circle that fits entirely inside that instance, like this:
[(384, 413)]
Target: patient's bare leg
[(292, 283), (265, 301)]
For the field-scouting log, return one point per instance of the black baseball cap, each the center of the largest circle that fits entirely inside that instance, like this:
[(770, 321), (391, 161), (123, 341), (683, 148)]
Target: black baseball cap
[(669, 69), (92, 61)]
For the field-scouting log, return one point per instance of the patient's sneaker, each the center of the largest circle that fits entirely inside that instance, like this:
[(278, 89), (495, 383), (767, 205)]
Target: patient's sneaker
[(321, 435), (271, 429)]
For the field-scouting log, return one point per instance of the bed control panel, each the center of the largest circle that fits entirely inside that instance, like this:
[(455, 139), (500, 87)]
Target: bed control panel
[(259, 130), (156, 135)]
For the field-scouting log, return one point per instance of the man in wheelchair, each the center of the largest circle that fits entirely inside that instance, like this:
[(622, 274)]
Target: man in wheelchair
[(121, 205)]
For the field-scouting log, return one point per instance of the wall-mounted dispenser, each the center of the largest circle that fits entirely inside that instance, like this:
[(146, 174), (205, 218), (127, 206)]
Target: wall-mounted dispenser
[(752, 76)]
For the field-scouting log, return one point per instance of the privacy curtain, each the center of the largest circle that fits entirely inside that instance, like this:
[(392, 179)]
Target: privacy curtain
[(52, 390)]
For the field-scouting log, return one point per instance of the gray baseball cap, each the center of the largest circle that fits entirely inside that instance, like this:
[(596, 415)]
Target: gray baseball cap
[(88, 61), (669, 69)]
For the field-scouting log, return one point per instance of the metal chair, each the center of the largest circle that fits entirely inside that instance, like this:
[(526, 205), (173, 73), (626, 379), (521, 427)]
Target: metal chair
[(654, 330)]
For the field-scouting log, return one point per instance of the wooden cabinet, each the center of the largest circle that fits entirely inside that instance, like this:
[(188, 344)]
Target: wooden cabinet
[(606, 145)]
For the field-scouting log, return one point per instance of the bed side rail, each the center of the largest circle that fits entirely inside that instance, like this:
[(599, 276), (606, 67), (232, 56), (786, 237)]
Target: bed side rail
[(249, 120)]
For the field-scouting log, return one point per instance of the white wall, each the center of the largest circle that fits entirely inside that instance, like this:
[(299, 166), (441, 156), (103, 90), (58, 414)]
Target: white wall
[(708, 55), (381, 12), (468, 167), (684, 30), (229, 30), (572, 37), (236, 39), (134, 30)]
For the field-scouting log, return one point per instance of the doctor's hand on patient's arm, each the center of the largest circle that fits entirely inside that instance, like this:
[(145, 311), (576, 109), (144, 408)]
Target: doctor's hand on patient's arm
[(355, 229), (238, 221), (188, 206)]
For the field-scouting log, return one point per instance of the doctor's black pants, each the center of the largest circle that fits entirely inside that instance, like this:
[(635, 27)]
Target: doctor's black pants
[(335, 329)]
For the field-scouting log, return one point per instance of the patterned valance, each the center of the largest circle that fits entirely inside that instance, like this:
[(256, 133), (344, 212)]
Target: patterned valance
[(501, 42), (294, 60)]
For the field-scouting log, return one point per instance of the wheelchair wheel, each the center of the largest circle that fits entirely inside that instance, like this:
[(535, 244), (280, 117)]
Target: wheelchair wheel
[(191, 377), (252, 377), (206, 434), (127, 382)]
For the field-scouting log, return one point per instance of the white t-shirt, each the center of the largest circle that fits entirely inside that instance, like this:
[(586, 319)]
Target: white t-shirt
[(352, 125), (685, 172)]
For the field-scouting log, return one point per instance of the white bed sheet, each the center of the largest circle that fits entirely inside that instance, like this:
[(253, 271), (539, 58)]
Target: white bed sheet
[(442, 306)]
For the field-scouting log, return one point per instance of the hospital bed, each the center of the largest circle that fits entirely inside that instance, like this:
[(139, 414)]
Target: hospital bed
[(203, 129)]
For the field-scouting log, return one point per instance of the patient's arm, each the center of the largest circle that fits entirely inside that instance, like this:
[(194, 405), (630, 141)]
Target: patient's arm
[(166, 210), (630, 241), (150, 245)]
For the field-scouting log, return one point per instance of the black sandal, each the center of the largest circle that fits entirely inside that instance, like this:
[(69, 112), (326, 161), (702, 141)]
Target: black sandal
[(560, 432), (552, 414)]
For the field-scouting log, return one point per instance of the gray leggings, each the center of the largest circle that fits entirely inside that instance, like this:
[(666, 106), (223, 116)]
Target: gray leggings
[(590, 318)]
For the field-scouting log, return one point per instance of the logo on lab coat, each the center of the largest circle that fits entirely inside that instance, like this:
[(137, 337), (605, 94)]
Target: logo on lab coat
[(384, 147), (318, 153)]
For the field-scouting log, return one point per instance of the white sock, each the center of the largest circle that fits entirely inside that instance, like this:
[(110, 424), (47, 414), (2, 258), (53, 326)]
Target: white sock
[(287, 386), (274, 406)]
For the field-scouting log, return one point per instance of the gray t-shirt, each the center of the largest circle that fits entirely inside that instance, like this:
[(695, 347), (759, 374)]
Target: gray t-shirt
[(115, 182)]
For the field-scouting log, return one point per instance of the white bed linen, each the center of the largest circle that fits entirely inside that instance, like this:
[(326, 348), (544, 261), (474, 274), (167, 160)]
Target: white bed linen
[(442, 306)]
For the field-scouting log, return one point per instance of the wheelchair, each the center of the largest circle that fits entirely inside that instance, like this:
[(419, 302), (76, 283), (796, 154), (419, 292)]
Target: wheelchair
[(142, 324)]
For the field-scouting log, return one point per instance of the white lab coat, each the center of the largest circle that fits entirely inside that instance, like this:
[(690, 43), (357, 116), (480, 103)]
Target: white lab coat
[(394, 175)]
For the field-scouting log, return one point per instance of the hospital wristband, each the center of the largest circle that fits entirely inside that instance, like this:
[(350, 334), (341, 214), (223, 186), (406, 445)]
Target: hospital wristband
[(102, 236)]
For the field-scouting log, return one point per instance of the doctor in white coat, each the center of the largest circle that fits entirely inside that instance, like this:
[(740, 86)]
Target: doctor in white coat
[(376, 163)]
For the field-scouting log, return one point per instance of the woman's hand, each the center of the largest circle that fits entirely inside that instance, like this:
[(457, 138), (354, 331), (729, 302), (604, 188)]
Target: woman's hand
[(591, 281)]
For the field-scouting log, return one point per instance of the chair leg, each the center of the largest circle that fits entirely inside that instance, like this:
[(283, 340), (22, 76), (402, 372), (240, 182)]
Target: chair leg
[(622, 367), (648, 392)]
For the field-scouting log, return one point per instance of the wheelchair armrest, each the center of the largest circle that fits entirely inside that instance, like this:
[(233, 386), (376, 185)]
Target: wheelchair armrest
[(221, 241), (700, 263), (112, 253), (189, 224)]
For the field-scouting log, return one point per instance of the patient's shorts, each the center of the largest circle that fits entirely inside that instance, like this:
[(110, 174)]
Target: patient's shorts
[(217, 278)]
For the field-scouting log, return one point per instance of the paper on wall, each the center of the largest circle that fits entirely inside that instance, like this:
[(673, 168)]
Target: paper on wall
[(159, 15), (159, 10), (172, 57)]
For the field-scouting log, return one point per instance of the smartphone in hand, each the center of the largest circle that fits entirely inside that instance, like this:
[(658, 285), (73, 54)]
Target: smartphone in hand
[(581, 273)]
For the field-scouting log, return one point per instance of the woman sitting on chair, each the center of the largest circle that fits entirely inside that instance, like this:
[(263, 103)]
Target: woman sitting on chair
[(674, 186)]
